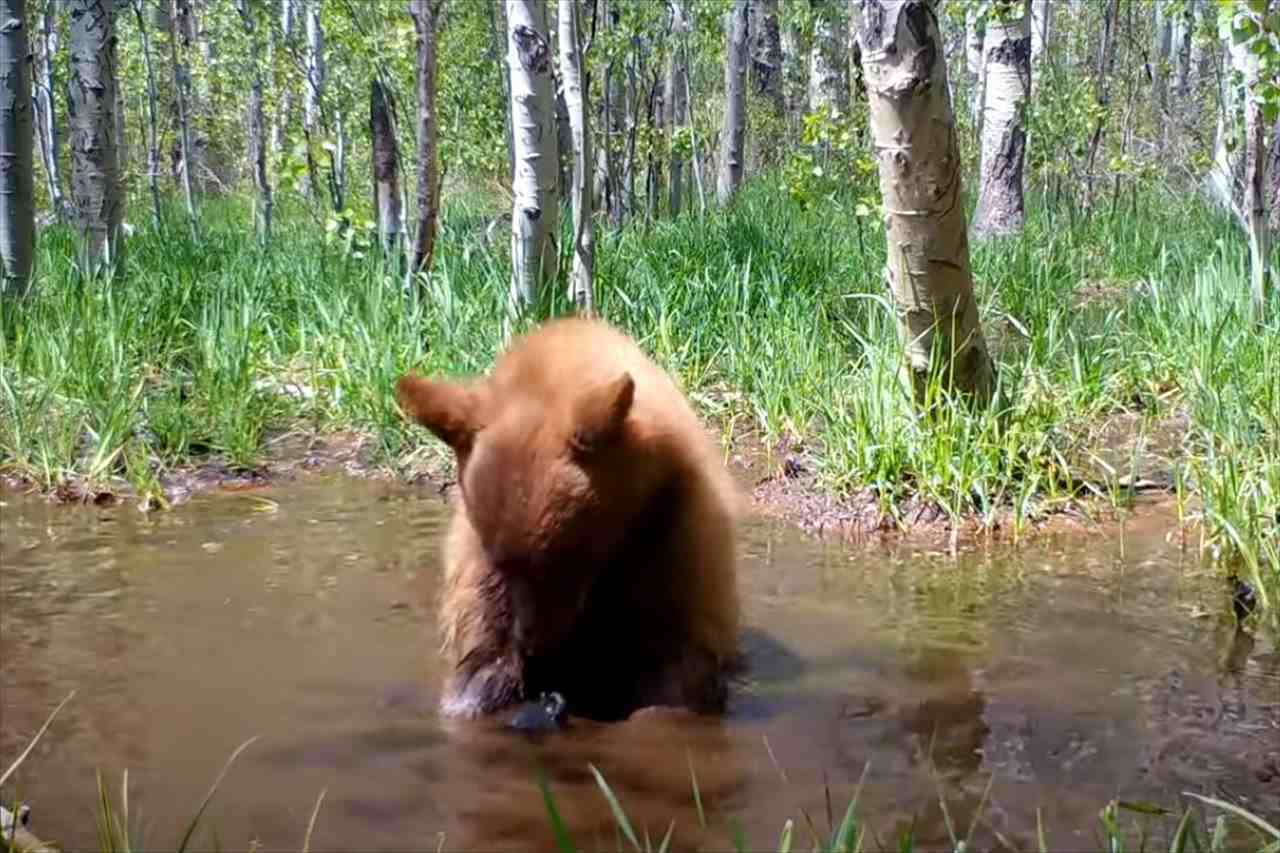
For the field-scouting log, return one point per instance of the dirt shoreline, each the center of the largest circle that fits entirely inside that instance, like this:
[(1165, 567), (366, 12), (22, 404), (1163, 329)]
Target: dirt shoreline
[(778, 482)]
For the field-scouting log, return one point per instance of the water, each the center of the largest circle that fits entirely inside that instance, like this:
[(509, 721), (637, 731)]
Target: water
[(1075, 671)]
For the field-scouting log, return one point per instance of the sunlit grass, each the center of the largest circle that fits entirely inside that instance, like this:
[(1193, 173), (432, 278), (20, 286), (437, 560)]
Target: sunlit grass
[(772, 316)]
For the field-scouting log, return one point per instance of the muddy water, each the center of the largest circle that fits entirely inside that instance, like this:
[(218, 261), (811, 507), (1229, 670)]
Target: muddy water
[(1072, 672)]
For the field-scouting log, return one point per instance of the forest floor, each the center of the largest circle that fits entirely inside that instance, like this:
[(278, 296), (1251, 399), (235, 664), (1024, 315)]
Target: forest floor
[(1131, 370)]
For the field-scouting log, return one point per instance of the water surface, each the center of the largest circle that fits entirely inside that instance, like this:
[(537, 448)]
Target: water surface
[(1071, 672)]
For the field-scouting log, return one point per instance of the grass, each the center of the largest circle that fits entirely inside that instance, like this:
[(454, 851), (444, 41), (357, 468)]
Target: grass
[(772, 316), (851, 835)]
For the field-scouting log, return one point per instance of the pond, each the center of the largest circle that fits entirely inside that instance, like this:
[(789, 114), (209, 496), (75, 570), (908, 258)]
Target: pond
[(1051, 677)]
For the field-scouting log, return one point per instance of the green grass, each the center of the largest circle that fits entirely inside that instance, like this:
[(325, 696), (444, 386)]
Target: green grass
[(1114, 833), (773, 316)]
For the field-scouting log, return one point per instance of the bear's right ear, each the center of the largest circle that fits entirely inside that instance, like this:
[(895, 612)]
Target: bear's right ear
[(448, 409)]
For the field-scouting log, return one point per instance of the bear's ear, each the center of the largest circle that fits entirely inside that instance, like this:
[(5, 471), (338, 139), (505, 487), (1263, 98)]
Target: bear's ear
[(599, 412), (448, 409)]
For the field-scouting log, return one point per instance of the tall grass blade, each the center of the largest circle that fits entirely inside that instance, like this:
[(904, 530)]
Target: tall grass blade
[(564, 842), (208, 798), (618, 814), (311, 824), (4, 777), (1243, 814)]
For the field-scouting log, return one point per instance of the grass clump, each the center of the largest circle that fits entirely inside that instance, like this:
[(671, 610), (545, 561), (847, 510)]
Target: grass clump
[(772, 315)]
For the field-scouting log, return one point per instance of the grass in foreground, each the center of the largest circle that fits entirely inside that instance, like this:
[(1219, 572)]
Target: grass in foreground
[(772, 316), (851, 835)]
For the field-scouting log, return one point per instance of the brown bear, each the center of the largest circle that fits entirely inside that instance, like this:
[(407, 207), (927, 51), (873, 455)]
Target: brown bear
[(592, 550)]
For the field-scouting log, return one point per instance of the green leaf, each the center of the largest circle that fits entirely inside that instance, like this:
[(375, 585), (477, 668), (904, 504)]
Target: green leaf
[(618, 814)]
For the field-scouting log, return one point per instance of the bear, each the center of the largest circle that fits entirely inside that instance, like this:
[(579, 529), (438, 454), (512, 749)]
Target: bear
[(591, 550)]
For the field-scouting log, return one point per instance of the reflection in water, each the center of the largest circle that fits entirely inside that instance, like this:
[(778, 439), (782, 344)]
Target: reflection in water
[(1071, 673)]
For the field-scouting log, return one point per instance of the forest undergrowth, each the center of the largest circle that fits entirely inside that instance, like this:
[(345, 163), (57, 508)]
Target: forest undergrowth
[(1120, 339)]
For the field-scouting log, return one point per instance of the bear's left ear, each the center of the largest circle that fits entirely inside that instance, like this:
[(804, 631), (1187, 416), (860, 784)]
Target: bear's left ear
[(448, 409), (599, 412)]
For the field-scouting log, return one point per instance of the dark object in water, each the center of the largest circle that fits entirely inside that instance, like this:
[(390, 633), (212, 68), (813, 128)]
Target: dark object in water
[(1244, 598), (547, 714)]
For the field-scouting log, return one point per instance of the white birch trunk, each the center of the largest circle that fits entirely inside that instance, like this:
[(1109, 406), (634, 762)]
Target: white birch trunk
[(535, 210), (914, 137), (153, 132), (46, 85), (582, 278), (1041, 29), (766, 53), (313, 92), (1226, 173), (733, 137), (17, 188), (280, 121), (182, 90), (676, 100), (1007, 58), (828, 87), (95, 171), (973, 32), (263, 203)]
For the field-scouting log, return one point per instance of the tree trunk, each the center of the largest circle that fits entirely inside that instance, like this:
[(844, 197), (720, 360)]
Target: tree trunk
[(17, 189), (677, 104), (313, 93), (1102, 89), (1198, 49), (181, 87), (386, 169), (1041, 28), (95, 172), (795, 71), (1272, 173), (263, 205), (914, 137), (1226, 174), (497, 39), (582, 279), (828, 85), (973, 33), (424, 240), (535, 211), (153, 131), (766, 53), (46, 108), (999, 210), (280, 121), (1255, 203), (733, 137), (1163, 49)]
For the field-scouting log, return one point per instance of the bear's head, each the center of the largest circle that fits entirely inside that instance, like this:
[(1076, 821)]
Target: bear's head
[(549, 486)]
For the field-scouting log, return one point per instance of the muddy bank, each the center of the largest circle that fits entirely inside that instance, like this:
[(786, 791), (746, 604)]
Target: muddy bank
[(779, 480)]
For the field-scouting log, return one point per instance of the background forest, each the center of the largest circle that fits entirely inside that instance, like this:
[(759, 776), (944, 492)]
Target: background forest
[(253, 216)]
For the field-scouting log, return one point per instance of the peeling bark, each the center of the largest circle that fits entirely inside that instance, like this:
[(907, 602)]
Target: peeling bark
[(582, 278), (913, 132), (386, 168), (95, 171), (999, 210), (428, 167), (733, 137), (17, 186), (535, 211)]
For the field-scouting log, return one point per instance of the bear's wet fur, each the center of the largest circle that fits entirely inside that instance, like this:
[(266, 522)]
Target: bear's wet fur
[(592, 549)]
